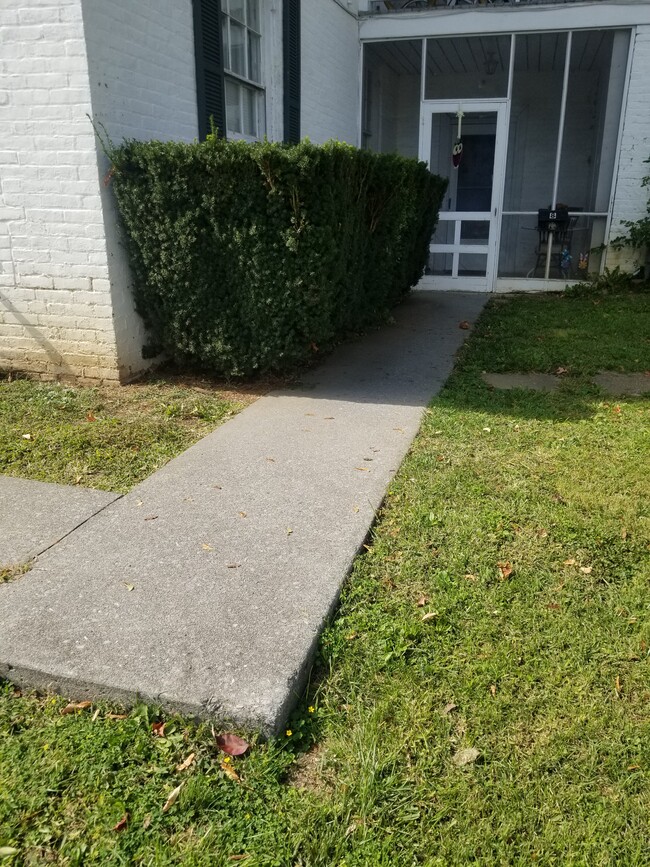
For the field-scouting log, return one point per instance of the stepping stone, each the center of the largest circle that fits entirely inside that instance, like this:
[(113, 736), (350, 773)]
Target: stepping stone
[(206, 588), (36, 515), (618, 384), (532, 381)]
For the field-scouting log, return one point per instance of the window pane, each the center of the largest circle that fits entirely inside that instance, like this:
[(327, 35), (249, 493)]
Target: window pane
[(466, 67), (534, 121), (254, 15), (237, 48), (594, 96), (250, 111), (392, 96), (238, 10), (225, 35), (254, 58), (233, 107)]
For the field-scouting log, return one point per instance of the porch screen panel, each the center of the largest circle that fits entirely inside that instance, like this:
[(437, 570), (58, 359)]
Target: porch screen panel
[(391, 96), (467, 67), (537, 85), (593, 111)]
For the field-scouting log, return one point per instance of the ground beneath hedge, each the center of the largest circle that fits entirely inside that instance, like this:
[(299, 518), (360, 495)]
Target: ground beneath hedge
[(108, 437), (481, 697)]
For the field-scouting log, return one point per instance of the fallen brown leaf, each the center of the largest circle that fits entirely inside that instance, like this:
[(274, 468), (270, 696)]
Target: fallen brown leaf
[(146, 823), (493, 689), (449, 707), (242, 514), (505, 569), (464, 325), (116, 716), (229, 771), (231, 744), (470, 577), (90, 417), (121, 825), (586, 570), (189, 761), (633, 767), (429, 616), (570, 562), (173, 797), (422, 601), (73, 707), (158, 729)]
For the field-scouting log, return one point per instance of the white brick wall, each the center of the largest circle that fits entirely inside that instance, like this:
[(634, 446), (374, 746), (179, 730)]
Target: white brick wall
[(330, 54), (630, 198), (143, 86), (55, 308)]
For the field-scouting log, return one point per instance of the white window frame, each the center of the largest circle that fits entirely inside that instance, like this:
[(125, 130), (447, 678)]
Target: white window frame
[(245, 82)]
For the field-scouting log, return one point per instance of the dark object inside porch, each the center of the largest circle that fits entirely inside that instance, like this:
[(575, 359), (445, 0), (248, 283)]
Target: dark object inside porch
[(555, 227)]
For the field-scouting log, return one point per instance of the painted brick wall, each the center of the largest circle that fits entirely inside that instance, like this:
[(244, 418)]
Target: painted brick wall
[(55, 304), (330, 71), (143, 85), (630, 198)]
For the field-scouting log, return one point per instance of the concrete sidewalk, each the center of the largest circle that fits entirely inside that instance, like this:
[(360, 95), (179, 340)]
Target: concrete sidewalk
[(206, 587)]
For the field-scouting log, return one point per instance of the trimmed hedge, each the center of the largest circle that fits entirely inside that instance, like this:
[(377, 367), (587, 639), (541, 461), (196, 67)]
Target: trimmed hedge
[(251, 257)]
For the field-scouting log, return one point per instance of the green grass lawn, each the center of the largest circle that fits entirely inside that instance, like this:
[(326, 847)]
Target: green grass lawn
[(502, 606), (108, 438)]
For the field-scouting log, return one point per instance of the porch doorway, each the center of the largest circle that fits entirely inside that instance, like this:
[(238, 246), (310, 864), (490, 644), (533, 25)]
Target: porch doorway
[(462, 251)]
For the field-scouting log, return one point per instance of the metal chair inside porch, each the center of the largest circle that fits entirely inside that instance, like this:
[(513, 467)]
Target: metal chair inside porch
[(555, 229)]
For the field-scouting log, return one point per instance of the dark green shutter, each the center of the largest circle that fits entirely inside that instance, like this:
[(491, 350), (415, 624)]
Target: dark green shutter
[(208, 51), (291, 51)]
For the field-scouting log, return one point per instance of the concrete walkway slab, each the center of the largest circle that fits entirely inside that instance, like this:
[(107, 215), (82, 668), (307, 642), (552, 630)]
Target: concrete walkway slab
[(532, 381), (206, 587), (620, 384), (36, 515)]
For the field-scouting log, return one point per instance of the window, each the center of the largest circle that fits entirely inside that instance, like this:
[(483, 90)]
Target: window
[(242, 60)]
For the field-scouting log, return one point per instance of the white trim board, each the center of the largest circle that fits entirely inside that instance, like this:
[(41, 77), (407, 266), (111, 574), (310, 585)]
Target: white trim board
[(514, 18)]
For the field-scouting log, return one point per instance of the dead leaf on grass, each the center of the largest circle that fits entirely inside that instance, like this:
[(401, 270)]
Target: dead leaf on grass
[(7, 851), (121, 825), (231, 744), (447, 709), (570, 562), (189, 761), (422, 601), (147, 822), (470, 577), (505, 569), (465, 757), (116, 716), (158, 729), (95, 715), (229, 771), (493, 689), (617, 686), (74, 706), (173, 797), (586, 570), (429, 616)]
